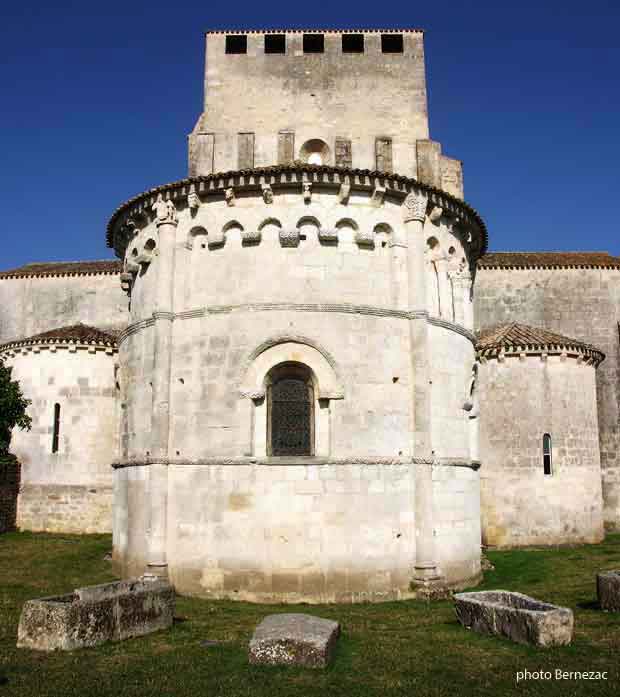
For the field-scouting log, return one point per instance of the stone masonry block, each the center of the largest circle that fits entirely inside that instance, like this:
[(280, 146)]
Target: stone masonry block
[(294, 639)]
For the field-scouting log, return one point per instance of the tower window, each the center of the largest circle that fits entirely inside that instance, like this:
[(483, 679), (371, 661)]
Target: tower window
[(236, 43), (275, 43), (56, 428), (314, 43), (290, 410), (353, 43), (383, 154), (392, 43), (547, 463)]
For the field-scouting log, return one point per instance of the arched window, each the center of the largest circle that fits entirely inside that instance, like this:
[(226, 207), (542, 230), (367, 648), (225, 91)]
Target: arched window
[(547, 464), (56, 428), (290, 410)]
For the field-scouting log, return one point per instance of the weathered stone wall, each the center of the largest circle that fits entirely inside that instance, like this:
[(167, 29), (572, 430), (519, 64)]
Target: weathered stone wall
[(519, 401), (579, 303), (358, 97), (339, 524), (32, 305), (66, 508), (69, 490)]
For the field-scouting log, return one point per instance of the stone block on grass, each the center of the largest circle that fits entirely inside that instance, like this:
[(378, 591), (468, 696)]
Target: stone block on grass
[(608, 590), (294, 639)]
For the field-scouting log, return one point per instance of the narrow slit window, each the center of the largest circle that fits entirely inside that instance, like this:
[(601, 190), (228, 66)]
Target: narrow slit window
[(392, 43), (56, 428), (547, 462), (236, 43), (314, 43), (275, 43), (353, 43)]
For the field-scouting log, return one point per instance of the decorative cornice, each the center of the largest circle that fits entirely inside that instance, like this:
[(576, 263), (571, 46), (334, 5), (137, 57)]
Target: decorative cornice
[(292, 176)]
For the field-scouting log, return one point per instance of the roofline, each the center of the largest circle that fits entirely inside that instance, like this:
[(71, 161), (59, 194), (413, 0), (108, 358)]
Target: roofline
[(572, 350), (58, 341), (23, 272), (393, 30), (485, 263), (356, 177)]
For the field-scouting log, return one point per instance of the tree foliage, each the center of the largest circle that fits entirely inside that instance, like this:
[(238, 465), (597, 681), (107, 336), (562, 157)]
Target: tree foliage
[(13, 407)]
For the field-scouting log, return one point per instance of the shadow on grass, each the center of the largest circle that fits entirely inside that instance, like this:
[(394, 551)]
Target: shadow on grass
[(589, 605)]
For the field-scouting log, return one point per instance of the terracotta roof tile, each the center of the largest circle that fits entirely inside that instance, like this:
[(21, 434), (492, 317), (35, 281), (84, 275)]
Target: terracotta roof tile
[(528, 260), (75, 333), (515, 337), (64, 268)]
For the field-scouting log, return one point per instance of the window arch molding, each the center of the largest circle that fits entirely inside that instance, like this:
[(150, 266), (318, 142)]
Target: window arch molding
[(291, 349), (256, 377)]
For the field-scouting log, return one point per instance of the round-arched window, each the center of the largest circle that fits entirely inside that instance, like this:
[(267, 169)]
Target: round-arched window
[(315, 152), (290, 410)]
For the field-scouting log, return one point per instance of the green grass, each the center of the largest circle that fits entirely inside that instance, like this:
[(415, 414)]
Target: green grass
[(409, 648)]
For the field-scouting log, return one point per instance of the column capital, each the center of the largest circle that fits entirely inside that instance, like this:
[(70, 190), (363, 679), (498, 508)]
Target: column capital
[(414, 206), (165, 211)]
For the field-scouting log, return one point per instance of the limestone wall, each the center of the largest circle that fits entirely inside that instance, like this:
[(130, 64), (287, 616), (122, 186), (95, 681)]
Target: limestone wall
[(32, 305), (311, 278), (358, 97), (519, 401), (579, 303), (69, 490)]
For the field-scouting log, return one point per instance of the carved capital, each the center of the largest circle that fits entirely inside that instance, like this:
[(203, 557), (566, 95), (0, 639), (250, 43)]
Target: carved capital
[(165, 211), (230, 196), (414, 206), (344, 193)]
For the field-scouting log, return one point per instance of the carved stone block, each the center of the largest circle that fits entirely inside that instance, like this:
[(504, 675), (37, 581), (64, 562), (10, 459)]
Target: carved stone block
[(289, 237)]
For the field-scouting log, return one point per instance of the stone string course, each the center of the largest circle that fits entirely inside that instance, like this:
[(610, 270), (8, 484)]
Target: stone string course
[(296, 307)]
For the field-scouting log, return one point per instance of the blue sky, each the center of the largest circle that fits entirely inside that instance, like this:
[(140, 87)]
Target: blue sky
[(98, 98)]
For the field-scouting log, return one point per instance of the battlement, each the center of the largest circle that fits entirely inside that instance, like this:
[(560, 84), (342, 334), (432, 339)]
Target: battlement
[(351, 98)]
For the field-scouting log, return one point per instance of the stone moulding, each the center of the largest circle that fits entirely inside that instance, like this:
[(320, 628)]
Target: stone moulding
[(290, 177), (608, 590), (295, 461), (294, 639), (95, 614), (515, 616), (344, 308)]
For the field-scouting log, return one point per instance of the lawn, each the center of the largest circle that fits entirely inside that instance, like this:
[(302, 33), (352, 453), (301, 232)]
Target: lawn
[(409, 648)]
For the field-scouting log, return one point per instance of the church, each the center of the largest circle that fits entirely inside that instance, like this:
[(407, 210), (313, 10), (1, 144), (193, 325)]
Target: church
[(300, 375)]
